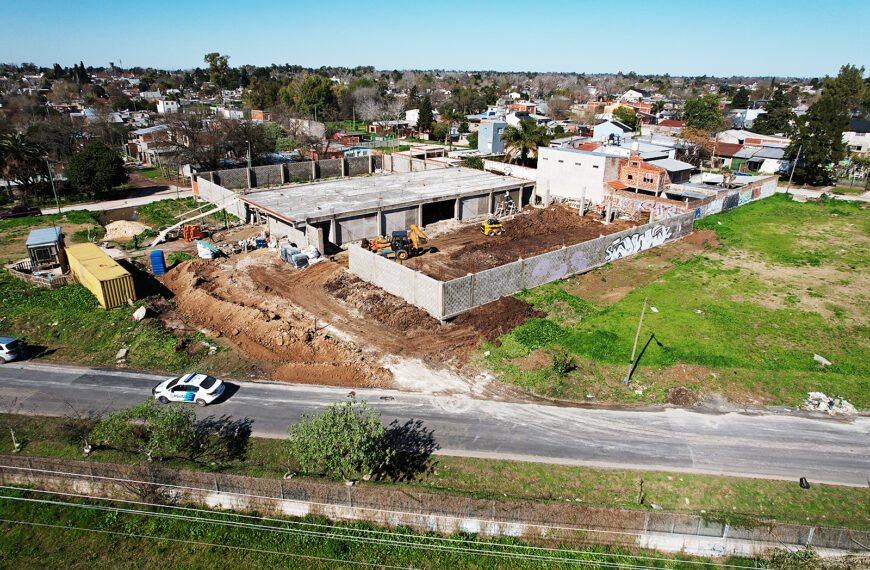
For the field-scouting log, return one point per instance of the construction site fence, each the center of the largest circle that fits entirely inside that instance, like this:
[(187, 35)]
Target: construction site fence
[(422, 511), (447, 299)]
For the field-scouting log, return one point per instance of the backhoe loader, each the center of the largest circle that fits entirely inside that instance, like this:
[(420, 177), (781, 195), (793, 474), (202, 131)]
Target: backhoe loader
[(401, 245)]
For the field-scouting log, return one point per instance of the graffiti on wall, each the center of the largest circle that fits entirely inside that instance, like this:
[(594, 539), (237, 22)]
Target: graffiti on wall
[(629, 245), (744, 197), (634, 206)]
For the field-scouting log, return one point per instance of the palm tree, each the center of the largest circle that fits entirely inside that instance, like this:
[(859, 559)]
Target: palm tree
[(22, 161), (524, 140)]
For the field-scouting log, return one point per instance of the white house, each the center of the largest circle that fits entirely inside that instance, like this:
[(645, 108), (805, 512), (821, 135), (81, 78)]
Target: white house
[(167, 106), (572, 174), (412, 115), (857, 136), (611, 129), (489, 137)]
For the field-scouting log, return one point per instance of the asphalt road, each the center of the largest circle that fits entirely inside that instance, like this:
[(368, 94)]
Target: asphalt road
[(779, 446)]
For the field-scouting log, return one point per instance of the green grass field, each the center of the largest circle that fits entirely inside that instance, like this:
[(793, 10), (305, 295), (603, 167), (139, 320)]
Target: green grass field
[(97, 534), (788, 280), (77, 227), (732, 499)]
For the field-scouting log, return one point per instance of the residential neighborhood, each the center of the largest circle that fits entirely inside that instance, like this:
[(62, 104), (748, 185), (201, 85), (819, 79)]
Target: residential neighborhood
[(405, 305)]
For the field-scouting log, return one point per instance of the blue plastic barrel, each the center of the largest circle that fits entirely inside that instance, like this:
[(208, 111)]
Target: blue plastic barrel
[(158, 263)]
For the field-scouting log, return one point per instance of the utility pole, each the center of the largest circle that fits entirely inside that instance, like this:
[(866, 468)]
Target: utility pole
[(636, 337), (53, 189), (793, 166)]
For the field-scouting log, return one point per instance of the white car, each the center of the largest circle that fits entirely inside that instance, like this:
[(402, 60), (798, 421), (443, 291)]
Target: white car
[(200, 389)]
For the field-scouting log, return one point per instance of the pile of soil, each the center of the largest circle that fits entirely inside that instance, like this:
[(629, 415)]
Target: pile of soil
[(124, 230), (376, 303), (268, 329), (682, 396), (535, 231), (702, 238), (497, 318)]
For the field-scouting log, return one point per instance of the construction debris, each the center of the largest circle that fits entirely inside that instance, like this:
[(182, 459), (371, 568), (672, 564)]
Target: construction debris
[(124, 230), (140, 313), (819, 402), (822, 360)]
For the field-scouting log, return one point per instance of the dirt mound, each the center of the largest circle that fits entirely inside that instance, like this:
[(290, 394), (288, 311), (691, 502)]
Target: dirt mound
[(376, 303), (682, 396), (534, 232), (268, 329), (123, 230), (702, 238), (497, 318)]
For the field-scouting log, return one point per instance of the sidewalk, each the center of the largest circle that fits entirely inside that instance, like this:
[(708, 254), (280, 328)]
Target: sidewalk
[(815, 194), (170, 192)]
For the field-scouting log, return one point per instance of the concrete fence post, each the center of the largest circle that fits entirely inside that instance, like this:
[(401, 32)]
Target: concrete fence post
[(250, 175), (313, 170), (471, 291), (285, 177)]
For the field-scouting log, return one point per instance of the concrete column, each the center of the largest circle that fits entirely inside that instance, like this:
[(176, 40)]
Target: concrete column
[(420, 215), (491, 209), (343, 167), (380, 225), (284, 177), (313, 170), (457, 209), (371, 163), (333, 229), (546, 199), (609, 212), (583, 201)]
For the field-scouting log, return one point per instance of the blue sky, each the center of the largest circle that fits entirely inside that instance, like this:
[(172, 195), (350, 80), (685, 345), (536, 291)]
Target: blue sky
[(680, 37)]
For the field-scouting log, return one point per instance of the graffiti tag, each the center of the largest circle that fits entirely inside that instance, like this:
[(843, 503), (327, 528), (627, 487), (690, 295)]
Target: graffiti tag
[(630, 245)]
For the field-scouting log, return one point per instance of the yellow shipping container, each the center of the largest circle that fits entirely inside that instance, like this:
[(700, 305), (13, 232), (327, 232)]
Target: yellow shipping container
[(110, 283)]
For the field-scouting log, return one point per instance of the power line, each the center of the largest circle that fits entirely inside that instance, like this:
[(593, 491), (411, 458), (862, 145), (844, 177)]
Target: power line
[(333, 536), (200, 543), (384, 532)]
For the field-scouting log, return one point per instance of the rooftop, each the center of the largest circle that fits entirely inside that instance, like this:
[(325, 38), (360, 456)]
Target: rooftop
[(322, 200), (43, 236), (672, 165)]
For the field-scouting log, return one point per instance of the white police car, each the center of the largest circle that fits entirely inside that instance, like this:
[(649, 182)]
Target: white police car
[(200, 389)]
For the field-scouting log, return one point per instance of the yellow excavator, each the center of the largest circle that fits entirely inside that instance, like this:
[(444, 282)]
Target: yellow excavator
[(401, 245)]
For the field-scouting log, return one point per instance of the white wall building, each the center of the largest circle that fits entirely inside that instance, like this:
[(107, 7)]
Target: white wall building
[(166, 106), (570, 174)]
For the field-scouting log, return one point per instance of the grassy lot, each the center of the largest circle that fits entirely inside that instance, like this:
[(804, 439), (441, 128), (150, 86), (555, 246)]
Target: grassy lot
[(852, 191), (68, 325), (164, 213), (743, 319), (92, 534), (77, 226), (737, 500)]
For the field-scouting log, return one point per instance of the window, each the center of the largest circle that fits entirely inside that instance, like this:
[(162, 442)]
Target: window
[(631, 177), (594, 166), (577, 164), (561, 160), (648, 178), (635, 163)]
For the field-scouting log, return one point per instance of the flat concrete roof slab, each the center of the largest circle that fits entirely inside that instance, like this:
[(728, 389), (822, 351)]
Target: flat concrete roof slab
[(361, 195)]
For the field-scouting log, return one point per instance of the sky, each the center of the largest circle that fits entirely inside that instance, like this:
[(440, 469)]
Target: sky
[(803, 38)]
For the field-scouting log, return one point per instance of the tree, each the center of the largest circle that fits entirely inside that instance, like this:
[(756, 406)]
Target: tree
[(558, 107), (658, 106), (848, 89), (777, 118), (740, 100), (315, 97), (22, 161), (819, 139), (218, 68), (626, 116), (346, 440), (95, 169), (523, 140), (426, 117), (472, 139), (704, 113), (150, 429)]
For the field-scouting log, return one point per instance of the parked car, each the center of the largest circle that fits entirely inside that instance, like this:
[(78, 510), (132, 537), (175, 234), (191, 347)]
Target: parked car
[(11, 349), (200, 389), (20, 211)]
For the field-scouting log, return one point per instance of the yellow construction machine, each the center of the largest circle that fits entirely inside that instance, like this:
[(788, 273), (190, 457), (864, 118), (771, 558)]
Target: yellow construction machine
[(492, 227), (401, 245)]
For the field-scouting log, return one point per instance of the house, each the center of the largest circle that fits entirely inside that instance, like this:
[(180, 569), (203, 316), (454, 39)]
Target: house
[(400, 127), (489, 137), (857, 137), (611, 130), (768, 160), (146, 144), (150, 95), (413, 115), (634, 94), (665, 127), (723, 154), (637, 174), (568, 142), (573, 174), (748, 138), (522, 107), (228, 113), (167, 106), (743, 118), (259, 116), (678, 171)]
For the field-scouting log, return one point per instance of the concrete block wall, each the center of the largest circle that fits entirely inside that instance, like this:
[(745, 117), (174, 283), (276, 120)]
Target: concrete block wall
[(359, 165), (331, 168), (299, 172), (456, 296), (232, 178), (269, 175), (217, 194)]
